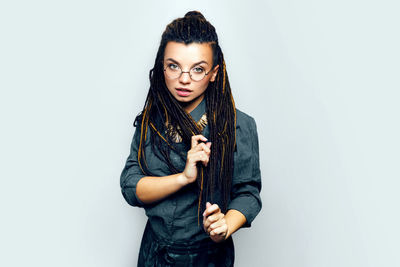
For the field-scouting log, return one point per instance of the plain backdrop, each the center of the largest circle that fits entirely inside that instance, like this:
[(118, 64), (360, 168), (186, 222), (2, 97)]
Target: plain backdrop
[(321, 79)]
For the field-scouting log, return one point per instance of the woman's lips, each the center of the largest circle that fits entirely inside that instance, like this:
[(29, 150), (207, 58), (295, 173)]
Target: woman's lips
[(183, 91)]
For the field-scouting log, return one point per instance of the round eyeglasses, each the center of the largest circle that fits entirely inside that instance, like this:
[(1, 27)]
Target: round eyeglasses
[(173, 71)]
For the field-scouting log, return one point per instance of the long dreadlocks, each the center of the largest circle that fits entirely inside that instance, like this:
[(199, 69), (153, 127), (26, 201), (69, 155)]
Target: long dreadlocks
[(162, 112)]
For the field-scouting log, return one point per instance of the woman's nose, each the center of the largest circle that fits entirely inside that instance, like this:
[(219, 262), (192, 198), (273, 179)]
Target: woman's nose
[(185, 77)]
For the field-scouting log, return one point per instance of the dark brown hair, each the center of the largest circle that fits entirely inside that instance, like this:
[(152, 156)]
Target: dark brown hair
[(162, 109)]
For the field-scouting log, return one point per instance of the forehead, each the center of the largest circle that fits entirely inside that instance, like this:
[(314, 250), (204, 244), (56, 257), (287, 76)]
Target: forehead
[(188, 53)]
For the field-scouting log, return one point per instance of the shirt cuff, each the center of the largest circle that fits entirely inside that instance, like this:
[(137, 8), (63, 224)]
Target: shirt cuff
[(248, 205), (129, 191)]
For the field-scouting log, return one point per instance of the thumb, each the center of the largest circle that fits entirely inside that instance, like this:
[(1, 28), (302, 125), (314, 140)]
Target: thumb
[(208, 204)]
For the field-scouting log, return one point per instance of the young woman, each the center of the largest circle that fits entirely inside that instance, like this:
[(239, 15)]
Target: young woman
[(194, 162)]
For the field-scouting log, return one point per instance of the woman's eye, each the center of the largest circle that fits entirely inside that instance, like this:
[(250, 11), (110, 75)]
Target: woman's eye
[(198, 69), (173, 66)]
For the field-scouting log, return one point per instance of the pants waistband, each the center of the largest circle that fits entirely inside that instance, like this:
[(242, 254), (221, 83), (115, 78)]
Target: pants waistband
[(184, 248)]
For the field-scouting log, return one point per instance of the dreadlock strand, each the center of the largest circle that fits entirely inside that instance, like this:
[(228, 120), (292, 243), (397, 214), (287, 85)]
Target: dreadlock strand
[(201, 192)]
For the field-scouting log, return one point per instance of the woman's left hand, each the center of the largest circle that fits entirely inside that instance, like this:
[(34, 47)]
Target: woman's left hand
[(214, 223)]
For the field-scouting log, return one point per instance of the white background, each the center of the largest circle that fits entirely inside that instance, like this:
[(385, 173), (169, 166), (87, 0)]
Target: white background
[(321, 79)]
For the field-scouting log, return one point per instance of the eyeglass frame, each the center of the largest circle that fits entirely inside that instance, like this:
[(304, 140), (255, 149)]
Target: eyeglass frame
[(190, 75)]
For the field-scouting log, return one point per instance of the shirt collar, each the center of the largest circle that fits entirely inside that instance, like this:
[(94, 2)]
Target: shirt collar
[(199, 110)]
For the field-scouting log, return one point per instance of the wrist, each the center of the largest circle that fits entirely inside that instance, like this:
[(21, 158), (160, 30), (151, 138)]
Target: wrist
[(234, 221), (182, 180)]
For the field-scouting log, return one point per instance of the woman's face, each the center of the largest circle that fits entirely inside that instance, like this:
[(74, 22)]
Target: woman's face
[(196, 57)]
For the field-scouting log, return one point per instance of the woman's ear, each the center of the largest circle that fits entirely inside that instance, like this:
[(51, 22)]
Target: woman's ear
[(214, 73)]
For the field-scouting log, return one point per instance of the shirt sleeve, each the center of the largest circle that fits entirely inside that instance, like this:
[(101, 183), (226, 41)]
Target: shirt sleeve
[(246, 181), (131, 173)]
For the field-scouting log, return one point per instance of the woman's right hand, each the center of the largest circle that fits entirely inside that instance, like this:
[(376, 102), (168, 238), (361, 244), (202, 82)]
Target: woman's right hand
[(199, 151)]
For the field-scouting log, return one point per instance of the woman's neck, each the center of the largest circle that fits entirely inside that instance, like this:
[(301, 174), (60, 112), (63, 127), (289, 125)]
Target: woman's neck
[(192, 105)]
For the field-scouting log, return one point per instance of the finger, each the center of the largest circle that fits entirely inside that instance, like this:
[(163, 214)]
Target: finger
[(212, 209), (209, 209), (208, 204), (214, 218), (222, 230), (198, 147), (206, 225), (217, 224), (207, 221), (197, 138), (201, 147), (205, 148), (200, 156)]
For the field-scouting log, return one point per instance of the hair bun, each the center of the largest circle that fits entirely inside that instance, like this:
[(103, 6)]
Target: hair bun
[(194, 14)]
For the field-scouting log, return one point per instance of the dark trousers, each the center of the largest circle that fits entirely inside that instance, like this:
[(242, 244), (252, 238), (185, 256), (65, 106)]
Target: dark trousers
[(156, 252)]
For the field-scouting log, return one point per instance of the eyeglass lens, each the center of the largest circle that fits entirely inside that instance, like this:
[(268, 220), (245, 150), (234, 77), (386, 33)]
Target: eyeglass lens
[(173, 71)]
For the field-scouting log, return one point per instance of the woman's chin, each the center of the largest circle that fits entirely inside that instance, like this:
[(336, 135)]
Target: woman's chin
[(189, 104)]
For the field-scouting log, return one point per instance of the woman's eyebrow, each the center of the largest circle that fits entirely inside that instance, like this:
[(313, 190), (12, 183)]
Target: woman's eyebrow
[(197, 63)]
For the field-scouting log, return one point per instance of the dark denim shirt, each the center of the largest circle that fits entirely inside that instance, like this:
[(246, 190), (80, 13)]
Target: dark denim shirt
[(175, 217)]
